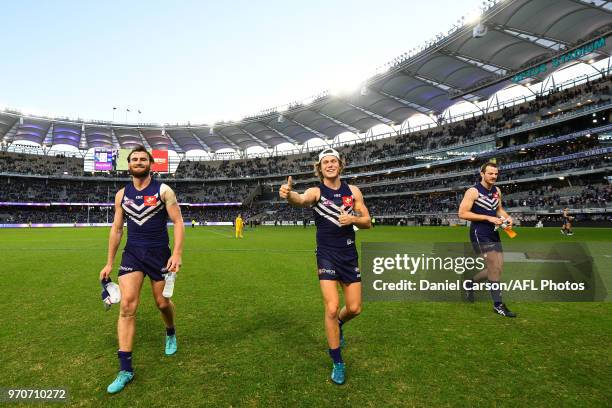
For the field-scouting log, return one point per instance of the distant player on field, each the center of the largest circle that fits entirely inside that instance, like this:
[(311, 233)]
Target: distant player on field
[(482, 206), (337, 206), (147, 204), (239, 223), (566, 228)]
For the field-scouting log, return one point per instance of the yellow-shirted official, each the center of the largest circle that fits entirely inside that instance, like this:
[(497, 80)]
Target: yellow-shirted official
[(239, 226)]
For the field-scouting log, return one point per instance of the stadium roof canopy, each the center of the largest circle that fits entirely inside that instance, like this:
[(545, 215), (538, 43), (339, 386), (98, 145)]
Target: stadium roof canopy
[(515, 41)]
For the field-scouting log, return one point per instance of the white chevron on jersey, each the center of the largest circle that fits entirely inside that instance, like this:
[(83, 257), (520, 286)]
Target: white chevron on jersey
[(486, 202), (134, 206), (331, 218), (147, 218), (142, 214), (330, 210), (136, 212), (333, 210)]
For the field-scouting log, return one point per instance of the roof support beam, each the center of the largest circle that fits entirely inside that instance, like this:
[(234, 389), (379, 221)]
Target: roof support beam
[(259, 141), (509, 74), (234, 145), (383, 119), (498, 69), (177, 147), (557, 43), (420, 108), (344, 125), (205, 147), (317, 133), (281, 134), (145, 142)]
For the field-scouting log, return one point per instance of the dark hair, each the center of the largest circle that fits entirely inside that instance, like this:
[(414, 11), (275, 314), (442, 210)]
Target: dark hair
[(140, 148), (487, 164)]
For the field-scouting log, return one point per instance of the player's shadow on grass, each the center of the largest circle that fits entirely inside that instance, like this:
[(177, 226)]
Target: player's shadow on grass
[(275, 327), (265, 331)]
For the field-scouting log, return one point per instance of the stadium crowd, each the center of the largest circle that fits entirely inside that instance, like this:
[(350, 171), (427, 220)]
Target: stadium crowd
[(551, 104), (399, 186), (21, 189)]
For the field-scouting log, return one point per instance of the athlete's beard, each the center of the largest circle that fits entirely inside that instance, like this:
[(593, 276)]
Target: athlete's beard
[(144, 175), (489, 182)]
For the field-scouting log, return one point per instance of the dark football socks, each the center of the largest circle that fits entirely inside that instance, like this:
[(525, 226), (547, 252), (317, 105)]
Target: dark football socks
[(336, 355), (125, 360), (496, 293)]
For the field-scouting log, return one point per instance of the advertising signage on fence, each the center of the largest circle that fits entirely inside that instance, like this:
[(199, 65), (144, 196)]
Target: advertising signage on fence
[(160, 158)]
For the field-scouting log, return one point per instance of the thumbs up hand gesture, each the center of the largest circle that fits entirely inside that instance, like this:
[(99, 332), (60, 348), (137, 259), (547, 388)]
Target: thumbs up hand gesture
[(286, 189), (344, 219)]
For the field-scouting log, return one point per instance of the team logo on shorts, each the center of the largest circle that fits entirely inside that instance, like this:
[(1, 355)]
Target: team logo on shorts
[(324, 271), (347, 201), (150, 201)]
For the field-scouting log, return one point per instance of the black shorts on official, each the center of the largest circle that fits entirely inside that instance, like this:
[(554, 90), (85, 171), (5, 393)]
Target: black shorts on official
[(151, 261), (485, 241), (339, 264)]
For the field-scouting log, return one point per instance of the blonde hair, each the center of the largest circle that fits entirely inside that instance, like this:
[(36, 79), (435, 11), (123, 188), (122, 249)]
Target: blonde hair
[(319, 173)]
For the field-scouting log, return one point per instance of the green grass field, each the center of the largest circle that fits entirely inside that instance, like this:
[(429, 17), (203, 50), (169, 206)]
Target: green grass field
[(250, 330)]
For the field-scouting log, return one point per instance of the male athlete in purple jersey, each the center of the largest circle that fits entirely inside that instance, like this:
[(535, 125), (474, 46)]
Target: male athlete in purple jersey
[(482, 206), (147, 204), (337, 206)]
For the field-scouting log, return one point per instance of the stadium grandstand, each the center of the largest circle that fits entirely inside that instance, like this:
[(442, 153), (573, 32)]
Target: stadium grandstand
[(533, 94)]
